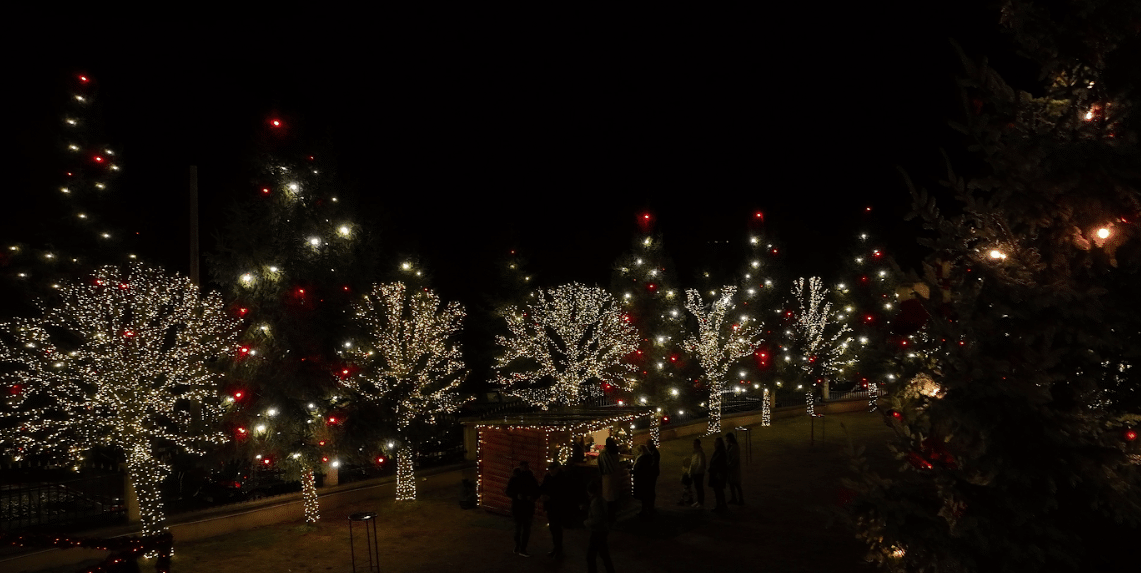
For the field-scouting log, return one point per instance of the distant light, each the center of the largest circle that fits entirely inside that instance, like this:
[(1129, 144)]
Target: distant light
[(1103, 233)]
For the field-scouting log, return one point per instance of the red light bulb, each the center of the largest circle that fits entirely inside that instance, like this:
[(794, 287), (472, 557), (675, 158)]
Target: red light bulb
[(84, 79), (1130, 435)]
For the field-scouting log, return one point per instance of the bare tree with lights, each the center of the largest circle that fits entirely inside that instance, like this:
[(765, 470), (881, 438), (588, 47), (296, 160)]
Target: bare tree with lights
[(566, 346), (122, 362), (719, 342), (412, 364), (819, 342)]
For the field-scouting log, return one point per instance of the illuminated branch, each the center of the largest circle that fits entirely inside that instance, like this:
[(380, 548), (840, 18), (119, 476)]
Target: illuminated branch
[(718, 343), (563, 346), (121, 362), (821, 353)]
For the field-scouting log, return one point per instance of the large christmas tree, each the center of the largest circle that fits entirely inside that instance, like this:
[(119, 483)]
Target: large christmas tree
[(294, 255), (1019, 439)]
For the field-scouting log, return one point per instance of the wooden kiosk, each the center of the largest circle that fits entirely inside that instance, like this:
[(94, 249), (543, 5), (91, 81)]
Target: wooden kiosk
[(542, 437)]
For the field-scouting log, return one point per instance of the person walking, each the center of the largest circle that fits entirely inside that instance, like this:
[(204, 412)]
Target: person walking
[(611, 475), (523, 489), (643, 479), (598, 524), (697, 473), (733, 455), (719, 473), (557, 495)]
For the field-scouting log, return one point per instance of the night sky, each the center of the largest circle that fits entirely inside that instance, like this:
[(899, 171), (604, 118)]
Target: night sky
[(474, 145)]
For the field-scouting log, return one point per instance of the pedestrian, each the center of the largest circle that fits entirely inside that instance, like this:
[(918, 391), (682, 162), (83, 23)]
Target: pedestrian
[(686, 484), (643, 474), (611, 475), (598, 524), (557, 495), (733, 453), (718, 473), (523, 490), (656, 471), (697, 472)]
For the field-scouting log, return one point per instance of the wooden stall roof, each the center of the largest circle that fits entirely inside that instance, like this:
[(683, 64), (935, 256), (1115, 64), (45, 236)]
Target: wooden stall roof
[(574, 419)]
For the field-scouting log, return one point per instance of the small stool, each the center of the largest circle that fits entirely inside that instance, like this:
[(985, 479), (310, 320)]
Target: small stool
[(370, 541), (743, 432)]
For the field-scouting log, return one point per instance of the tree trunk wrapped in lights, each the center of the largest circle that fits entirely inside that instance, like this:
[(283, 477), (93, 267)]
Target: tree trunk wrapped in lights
[(410, 363), (122, 362), (565, 346), (718, 343)]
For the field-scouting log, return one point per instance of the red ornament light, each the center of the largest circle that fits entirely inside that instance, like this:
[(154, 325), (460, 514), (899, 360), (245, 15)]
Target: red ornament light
[(244, 349), (332, 420), (876, 254), (15, 389), (241, 430), (673, 358), (665, 419), (243, 311), (265, 190), (97, 159), (84, 79), (895, 414), (321, 443), (324, 458), (238, 395), (651, 287), (265, 461), (1130, 435), (380, 460), (760, 216), (128, 333), (275, 122), (774, 251)]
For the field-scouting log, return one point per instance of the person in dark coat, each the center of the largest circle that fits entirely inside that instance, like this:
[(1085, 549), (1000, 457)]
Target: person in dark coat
[(733, 455), (598, 524), (523, 490), (657, 471), (644, 479), (558, 496), (719, 473)]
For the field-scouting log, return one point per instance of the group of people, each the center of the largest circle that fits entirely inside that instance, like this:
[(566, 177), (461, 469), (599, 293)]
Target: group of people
[(724, 469), (561, 496)]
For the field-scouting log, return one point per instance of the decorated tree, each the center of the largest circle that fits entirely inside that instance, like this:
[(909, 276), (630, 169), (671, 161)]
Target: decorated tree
[(123, 362), (572, 343), (645, 283), (70, 228), (819, 345), (410, 364), (1019, 442), (718, 341), (292, 256)]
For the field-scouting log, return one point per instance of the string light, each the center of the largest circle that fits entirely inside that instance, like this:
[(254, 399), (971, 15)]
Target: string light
[(574, 335), (718, 344), (411, 360), (820, 351), (117, 390)]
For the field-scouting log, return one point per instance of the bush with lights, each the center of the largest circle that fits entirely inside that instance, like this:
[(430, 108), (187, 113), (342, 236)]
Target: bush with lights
[(1018, 443), (291, 257), (124, 363)]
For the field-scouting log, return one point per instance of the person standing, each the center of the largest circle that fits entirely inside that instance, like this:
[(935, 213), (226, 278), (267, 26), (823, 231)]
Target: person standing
[(523, 489), (733, 454), (718, 473), (697, 473), (643, 474), (656, 471), (558, 498), (611, 475), (598, 524)]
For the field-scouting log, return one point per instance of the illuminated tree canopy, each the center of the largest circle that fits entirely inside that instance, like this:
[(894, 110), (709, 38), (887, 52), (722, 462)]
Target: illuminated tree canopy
[(718, 343), (563, 346), (411, 362), (122, 362)]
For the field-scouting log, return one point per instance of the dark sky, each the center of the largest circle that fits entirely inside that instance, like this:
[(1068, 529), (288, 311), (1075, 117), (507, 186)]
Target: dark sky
[(482, 143)]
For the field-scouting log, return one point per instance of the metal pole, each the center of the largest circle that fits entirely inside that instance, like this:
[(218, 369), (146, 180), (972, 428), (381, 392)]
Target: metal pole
[(194, 272)]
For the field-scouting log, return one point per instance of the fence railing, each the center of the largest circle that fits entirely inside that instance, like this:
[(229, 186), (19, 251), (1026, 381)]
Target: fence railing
[(79, 503)]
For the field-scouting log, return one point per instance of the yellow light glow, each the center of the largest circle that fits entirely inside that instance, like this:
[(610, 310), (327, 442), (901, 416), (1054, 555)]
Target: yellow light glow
[(997, 254), (1103, 233)]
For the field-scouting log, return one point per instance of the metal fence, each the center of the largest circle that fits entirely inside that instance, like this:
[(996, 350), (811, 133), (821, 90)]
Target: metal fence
[(82, 502)]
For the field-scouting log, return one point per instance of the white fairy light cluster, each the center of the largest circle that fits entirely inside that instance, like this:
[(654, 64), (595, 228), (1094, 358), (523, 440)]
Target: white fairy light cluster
[(410, 359), (309, 496), (718, 343), (822, 353), (766, 416), (120, 362), (563, 346), (873, 396)]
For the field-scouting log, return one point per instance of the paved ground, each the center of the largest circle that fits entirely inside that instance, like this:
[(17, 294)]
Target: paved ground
[(781, 529)]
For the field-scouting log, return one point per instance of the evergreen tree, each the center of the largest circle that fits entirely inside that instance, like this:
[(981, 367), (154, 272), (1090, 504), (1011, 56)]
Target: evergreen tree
[(645, 282), (1020, 437), (73, 230), (292, 257)]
